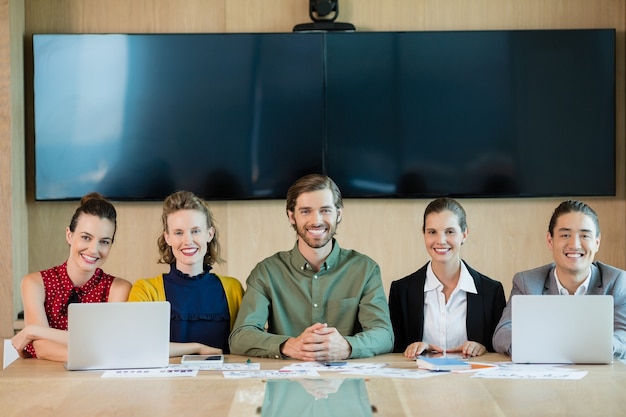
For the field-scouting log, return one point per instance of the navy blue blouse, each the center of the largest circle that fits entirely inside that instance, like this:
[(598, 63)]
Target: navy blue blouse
[(199, 308)]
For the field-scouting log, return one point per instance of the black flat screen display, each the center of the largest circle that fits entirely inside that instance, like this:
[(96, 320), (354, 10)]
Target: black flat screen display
[(137, 117), (388, 114), (480, 114)]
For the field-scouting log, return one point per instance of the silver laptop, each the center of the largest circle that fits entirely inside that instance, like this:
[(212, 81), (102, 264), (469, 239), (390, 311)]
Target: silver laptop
[(562, 329), (118, 335)]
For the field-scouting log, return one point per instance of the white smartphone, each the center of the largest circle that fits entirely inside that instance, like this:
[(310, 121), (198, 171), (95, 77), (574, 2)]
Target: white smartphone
[(202, 359)]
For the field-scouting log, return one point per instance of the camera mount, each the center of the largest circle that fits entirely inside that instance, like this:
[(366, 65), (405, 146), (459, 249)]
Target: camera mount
[(323, 13)]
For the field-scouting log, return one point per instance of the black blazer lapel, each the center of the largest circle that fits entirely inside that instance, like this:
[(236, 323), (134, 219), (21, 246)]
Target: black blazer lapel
[(475, 310)]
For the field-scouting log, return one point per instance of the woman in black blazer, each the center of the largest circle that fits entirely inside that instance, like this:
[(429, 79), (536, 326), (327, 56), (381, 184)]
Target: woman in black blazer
[(445, 306)]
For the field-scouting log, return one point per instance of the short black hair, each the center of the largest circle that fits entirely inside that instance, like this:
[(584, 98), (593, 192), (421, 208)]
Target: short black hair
[(573, 206)]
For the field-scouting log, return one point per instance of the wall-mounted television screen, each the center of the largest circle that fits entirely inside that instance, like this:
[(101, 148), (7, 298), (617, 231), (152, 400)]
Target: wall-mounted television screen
[(486, 113), (137, 117), (518, 113)]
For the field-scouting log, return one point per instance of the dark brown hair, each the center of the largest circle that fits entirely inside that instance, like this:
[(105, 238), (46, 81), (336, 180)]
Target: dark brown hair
[(313, 182), (96, 205), (573, 206), (446, 203)]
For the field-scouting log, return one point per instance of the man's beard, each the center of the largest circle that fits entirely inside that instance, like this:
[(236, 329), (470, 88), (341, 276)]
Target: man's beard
[(317, 243)]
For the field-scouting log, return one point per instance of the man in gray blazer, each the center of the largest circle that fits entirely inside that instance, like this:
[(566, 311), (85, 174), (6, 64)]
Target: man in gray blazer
[(574, 238)]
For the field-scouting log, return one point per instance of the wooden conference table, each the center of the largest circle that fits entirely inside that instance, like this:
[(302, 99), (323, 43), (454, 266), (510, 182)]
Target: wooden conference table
[(42, 388)]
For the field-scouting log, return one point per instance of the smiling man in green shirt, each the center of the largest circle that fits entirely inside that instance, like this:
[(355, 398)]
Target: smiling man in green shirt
[(316, 302)]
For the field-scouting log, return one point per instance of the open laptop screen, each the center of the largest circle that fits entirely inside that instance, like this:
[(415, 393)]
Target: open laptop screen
[(562, 329), (118, 335)]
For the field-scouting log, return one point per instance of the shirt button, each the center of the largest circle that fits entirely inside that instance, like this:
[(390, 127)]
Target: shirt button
[(315, 305), (276, 357), (315, 276)]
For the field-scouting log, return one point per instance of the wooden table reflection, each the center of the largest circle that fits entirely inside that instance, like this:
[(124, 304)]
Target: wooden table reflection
[(42, 388)]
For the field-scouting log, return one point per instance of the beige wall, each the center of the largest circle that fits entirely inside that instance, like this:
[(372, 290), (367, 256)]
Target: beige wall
[(13, 227), (506, 235)]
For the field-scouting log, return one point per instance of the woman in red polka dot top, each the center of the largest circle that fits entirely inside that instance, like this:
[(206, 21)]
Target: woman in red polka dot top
[(47, 294)]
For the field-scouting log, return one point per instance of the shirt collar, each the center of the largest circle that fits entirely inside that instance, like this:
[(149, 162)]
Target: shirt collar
[(466, 282), (174, 271), (300, 262), (581, 290)]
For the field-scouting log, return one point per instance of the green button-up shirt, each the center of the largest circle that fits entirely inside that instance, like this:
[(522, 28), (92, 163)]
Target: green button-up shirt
[(287, 295)]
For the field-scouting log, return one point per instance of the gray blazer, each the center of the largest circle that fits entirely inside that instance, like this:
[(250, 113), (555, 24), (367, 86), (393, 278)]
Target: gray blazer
[(605, 279)]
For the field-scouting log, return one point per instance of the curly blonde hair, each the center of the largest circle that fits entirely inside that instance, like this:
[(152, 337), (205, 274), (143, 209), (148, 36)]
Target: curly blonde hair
[(186, 200)]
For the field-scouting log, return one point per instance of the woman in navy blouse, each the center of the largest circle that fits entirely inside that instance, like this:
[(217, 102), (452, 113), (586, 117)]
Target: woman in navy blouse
[(204, 304)]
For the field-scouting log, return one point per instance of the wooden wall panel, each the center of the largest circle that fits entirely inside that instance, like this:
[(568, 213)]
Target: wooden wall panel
[(13, 228), (379, 15), (115, 16), (6, 227), (506, 235), (265, 16)]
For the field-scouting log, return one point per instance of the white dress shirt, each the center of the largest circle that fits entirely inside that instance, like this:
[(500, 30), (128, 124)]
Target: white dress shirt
[(445, 323), (581, 290)]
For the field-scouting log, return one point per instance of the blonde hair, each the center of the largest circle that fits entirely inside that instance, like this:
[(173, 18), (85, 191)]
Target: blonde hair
[(186, 200)]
